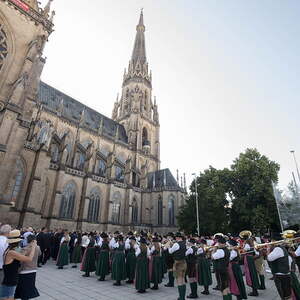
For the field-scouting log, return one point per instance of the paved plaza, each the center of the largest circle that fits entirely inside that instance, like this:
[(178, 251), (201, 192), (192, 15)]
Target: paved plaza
[(69, 284)]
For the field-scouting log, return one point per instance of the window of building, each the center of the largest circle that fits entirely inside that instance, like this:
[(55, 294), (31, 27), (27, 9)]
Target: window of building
[(101, 168), (42, 135), (19, 180), (80, 160), (54, 153), (171, 201), (67, 201), (116, 208), (145, 139), (135, 212), (94, 206), (119, 173), (3, 46), (160, 210)]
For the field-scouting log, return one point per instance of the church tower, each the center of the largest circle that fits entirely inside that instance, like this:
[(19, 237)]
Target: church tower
[(24, 30), (136, 109)]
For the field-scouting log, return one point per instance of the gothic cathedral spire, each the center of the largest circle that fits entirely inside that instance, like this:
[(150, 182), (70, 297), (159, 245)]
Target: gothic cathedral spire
[(135, 108)]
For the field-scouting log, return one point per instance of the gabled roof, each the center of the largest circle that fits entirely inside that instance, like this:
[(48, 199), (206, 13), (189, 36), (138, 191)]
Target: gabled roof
[(162, 178), (72, 110)]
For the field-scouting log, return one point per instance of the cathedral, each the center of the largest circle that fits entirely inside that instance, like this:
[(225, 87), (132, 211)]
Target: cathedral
[(65, 165)]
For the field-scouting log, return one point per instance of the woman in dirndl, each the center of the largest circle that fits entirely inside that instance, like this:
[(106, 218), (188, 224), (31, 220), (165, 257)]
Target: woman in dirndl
[(102, 266), (156, 270), (118, 264), (76, 253), (63, 253)]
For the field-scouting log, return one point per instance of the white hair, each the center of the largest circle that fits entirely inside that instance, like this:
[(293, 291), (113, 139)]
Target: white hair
[(5, 229)]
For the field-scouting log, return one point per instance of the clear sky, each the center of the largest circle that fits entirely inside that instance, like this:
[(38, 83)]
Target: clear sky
[(225, 72)]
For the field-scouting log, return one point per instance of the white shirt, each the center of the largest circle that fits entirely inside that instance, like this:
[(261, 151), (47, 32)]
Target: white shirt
[(248, 248), (3, 246), (112, 242), (297, 252), (233, 255), (276, 253), (138, 251), (200, 251), (189, 251), (174, 248), (218, 254)]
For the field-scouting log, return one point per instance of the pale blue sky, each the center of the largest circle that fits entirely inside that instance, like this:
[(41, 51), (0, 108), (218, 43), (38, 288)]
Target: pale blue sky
[(225, 73)]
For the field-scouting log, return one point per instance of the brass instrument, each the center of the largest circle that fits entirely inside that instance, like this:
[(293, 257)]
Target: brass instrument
[(218, 234), (245, 234)]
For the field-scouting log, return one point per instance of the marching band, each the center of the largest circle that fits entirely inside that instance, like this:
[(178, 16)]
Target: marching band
[(143, 259)]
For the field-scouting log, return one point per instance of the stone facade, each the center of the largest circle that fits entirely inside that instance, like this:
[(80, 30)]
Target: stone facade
[(63, 164)]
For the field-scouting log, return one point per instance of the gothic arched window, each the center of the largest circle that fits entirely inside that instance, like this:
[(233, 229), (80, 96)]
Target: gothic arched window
[(67, 201), (145, 140), (94, 205), (42, 135), (54, 153), (160, 210), (80, 159), (116, 208), (19, 180), (171, 201), (135, 212), (3, 46), (119, 173), (101, 168)]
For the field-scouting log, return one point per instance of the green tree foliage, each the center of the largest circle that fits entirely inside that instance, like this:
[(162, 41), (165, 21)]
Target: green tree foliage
[(234, 199)]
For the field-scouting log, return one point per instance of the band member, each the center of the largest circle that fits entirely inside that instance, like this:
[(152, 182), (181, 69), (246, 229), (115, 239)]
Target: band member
[(88, 264), (76, 253), (279, 259), (102, 268), (221, 257), (130, 247), (178, 250), (204, 273), (191, 261), (260, 268), (118, 262), (63, 253), (156, 271), (295, 285), (142, 253), (236, 282), (169, 260), (249, 264)]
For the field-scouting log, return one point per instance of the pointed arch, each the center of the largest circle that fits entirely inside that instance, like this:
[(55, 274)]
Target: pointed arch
[(171, 209), (19, 179), (94, 205), (68, 198), (54, 151), (159, 210)]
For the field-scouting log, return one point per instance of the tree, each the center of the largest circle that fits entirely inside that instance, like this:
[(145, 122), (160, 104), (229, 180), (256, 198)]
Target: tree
[(254, 206), (212, 187)]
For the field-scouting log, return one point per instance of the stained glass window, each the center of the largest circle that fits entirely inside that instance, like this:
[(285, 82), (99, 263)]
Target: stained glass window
[(68, 201), (116, 208), (19, 179), (94, 205)]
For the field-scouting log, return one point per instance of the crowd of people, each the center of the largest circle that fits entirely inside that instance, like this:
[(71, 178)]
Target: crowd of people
[(144, 259)]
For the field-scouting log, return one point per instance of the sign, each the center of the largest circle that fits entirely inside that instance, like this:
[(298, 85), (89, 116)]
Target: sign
[(21, 4)]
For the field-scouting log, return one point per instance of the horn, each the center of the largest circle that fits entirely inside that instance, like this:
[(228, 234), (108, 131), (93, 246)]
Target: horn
[(288, 234), (245, 234), (218, 234)]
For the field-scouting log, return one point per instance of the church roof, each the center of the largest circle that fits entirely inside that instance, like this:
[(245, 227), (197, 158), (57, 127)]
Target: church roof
[(72, 110), (162, 178)]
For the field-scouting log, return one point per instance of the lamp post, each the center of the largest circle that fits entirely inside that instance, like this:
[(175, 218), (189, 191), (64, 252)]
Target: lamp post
[(197, 204), (293, 153)]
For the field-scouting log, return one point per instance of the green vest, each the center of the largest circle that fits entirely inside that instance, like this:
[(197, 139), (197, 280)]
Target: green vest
[(281, 265), (180, 253), (222, 263)]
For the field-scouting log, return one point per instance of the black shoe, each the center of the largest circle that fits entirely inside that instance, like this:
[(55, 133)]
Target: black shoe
[(101, 279), (39, 266), (129, 281), (205, 293), (191, 296), (60, 268), (169, 285), (141, 291), (74, 266), (154, 287), (253, 294), (85, 275), (216, 288), (117, 283)]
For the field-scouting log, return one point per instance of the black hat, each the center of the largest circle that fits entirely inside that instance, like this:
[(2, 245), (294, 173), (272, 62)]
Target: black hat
[(193, 241), (132, 238), (104, 235), (143, 240), (117, 232), (233, 242), (120, 237), (170, 234), (130, 233), (30, 238), (178, 234), (221, 240), (203, 241)]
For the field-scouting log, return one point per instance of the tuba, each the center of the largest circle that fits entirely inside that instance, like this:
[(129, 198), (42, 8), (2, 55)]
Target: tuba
[(245, 234)]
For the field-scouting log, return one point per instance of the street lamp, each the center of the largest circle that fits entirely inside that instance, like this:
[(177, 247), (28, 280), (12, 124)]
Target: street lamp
[(293, 153), (197, 204)]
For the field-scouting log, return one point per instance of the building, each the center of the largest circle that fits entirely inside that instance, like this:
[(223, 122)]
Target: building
[(62, 164)]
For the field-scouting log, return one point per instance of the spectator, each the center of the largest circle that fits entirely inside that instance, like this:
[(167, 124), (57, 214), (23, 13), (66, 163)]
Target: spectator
[(4, 232), (27, 274), (25, 235), (11, 264)]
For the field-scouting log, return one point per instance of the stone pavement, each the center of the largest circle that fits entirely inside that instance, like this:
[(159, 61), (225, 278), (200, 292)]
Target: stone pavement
[(68, 284)]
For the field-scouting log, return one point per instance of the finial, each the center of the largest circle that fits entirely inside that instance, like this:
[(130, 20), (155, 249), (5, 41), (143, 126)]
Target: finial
[(52, 16), (47, 9), (82, 116), (100, 130), (184, 181), (177, 177)]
